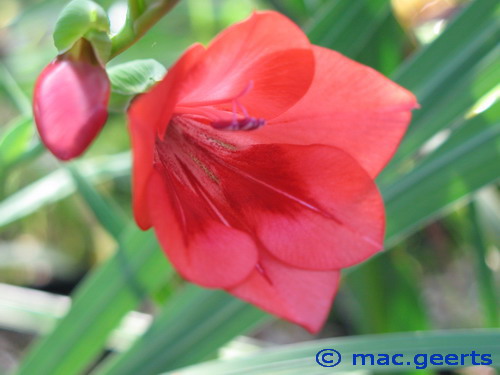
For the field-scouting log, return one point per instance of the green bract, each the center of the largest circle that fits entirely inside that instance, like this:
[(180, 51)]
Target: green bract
[(136, 76), (83, 19), (132, 78)]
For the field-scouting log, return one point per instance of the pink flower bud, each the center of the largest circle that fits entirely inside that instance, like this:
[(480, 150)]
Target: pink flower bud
[(70, 105)]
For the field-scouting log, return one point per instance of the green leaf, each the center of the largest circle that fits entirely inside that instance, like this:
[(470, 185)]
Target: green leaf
[(347, 26), (385, 48), (450, 75), (83, 19), (108, 214), (295, 9), (398, 277), (135, 77), (58, 185), (136, 271), (204, 320), (484, 274), (14, 92), (464, 41), (301, 358), (15, 142), (449, 106), (467, 161)]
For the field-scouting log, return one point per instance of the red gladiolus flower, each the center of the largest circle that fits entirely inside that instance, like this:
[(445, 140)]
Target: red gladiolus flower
[(254, 161), (70, 104)]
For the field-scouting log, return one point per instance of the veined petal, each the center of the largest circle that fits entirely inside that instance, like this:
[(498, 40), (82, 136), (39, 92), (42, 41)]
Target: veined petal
[(349, 106), (312, 207), (266, 56), (149, 116), (201, 247), (301, 296)]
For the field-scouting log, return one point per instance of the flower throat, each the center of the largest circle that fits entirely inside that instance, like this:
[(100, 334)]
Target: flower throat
[(237, 119)]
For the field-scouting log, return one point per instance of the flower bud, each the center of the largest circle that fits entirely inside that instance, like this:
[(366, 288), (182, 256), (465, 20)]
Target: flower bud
[(70, 101)]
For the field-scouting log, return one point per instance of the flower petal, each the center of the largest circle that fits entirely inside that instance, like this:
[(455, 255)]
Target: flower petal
[(149, 115), (301, 296), (349, 106), (267, 54), (201, 248), (70, 106), (312, 207)]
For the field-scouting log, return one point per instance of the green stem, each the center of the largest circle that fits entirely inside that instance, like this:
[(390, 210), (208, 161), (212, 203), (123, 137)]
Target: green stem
[(139, 20)]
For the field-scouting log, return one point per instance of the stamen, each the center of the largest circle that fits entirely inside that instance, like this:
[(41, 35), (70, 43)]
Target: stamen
[(246, 90), (246, 123), (238, 119)]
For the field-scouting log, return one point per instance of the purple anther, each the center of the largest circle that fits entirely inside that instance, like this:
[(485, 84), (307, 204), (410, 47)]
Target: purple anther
[(247, 123)]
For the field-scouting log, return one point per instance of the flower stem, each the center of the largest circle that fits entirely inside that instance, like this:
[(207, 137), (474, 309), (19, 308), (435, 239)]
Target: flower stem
[(141, 17)]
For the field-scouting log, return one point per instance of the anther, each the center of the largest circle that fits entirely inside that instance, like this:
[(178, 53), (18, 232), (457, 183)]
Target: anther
[(246, 123)]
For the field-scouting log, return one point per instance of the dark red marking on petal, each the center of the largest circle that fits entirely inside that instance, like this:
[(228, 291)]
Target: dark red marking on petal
[(313, 207)]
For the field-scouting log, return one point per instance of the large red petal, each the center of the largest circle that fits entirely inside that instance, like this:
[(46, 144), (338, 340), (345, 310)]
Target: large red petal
[(312, 207), (349, 106), (70, 106), (268, 53), (203, 249), (149, 115), (301, 296)]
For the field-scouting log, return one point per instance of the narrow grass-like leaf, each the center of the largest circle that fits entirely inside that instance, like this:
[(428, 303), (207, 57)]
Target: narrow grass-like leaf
[(450, 74), (449, 104), (384, 50), (346, 25), (108, 215), (443, 179), (398, 277), (136, 271), (204, 320), (469, 36), (58, 185), (15, 142), (484, 275), (301, 358), (13, 90), (36, 312)]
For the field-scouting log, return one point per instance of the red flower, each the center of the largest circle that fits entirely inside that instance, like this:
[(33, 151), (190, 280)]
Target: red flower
[(70, 104), (254, 161)]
